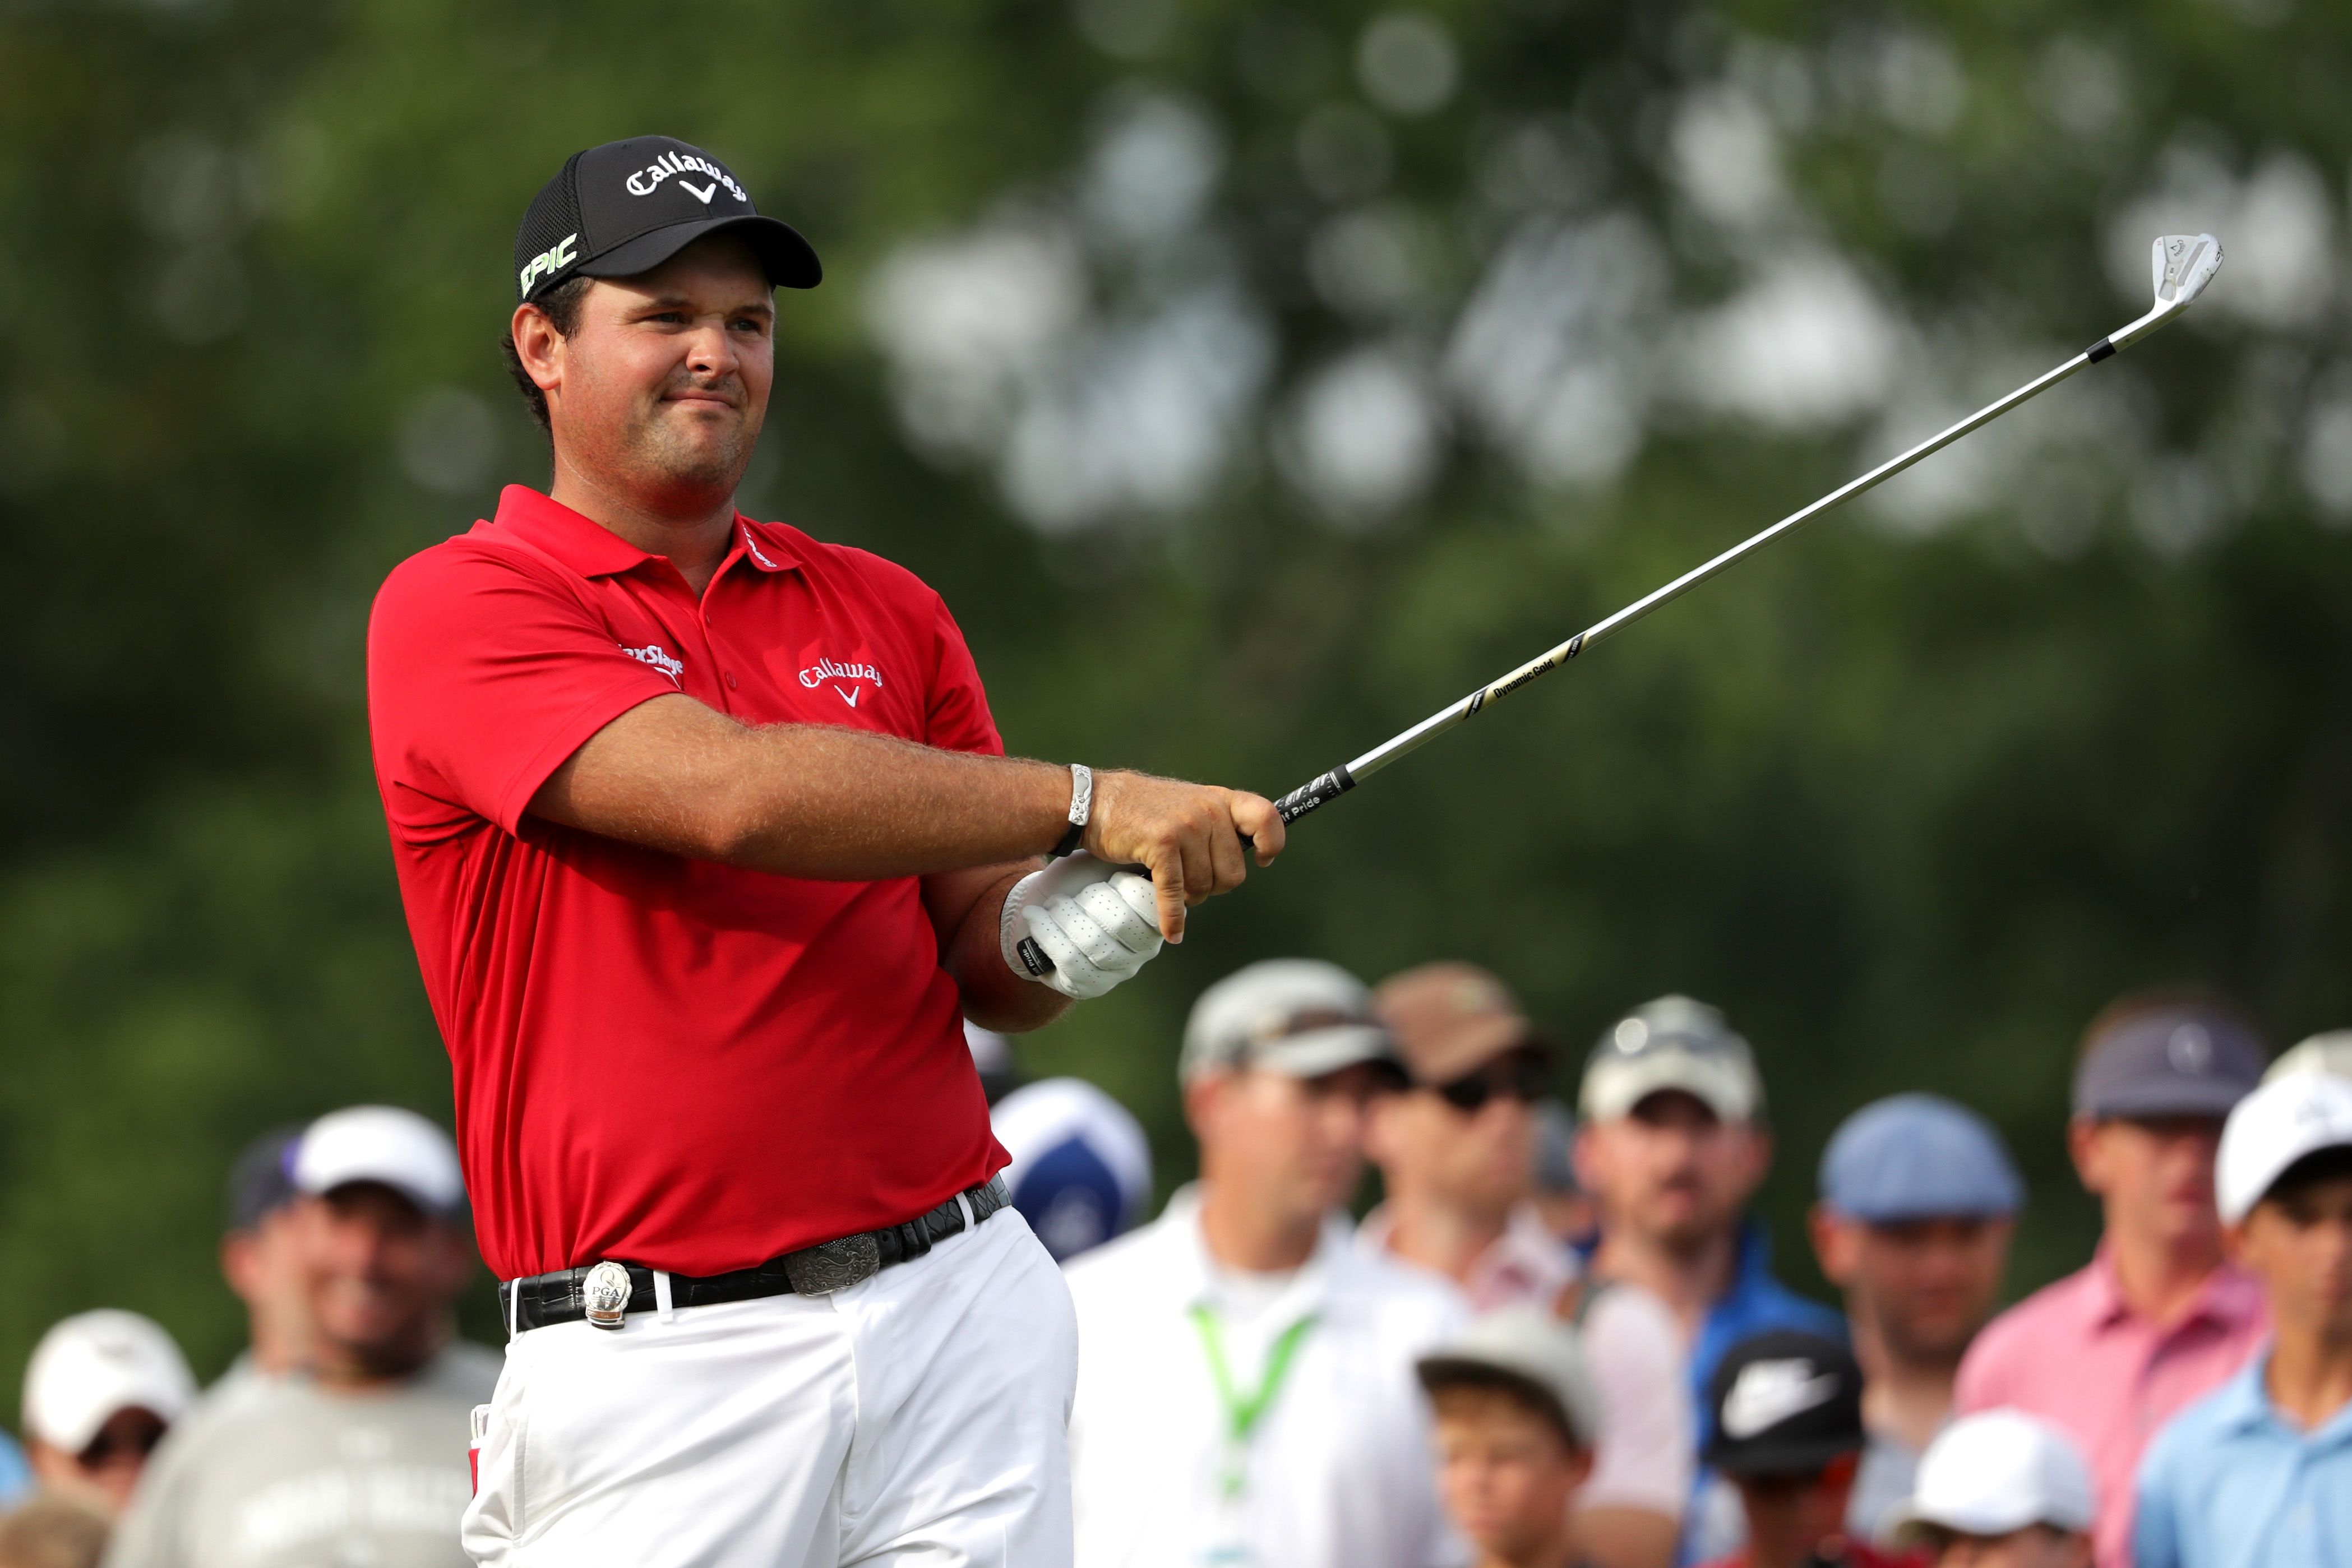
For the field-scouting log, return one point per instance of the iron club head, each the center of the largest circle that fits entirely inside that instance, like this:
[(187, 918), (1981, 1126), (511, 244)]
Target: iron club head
[(2183, 265)]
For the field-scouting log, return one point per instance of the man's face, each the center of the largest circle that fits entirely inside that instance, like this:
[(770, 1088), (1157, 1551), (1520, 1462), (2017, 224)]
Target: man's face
[(382, 1274), (2035, 1546), (1672, 1171), (1926, 1286), (1479, 1161), (1505, 1474), (2154, 1176), (1789, 1517), (1294, 1145), (2298, 1242), (659, 392)]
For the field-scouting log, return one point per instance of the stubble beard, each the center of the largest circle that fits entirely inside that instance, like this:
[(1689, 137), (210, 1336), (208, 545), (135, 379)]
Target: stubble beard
[(662, 455)]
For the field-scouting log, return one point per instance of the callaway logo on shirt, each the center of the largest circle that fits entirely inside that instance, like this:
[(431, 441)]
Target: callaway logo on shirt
[(844, 676), (1766, 1393)]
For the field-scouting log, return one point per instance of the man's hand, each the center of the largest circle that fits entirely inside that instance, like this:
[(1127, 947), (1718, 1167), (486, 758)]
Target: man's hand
[(1079, 926), (1187, 836)]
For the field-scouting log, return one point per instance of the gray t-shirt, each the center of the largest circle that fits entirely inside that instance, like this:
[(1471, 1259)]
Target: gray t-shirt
[(1890, 1468), (286, 1473)]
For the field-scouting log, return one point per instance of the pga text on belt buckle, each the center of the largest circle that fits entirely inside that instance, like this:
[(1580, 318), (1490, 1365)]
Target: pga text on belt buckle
[(604, 1294), (831, 1266)]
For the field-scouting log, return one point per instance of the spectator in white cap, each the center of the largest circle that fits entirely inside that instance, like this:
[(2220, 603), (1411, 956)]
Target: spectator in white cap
[(1918, 1203), (360, 1455), (2260, 1471), (1246, 1391), (2000, 1490), (1081, 1170), (99, 1392), (1675, 1144), (1518, 1416), (1457, 1153)]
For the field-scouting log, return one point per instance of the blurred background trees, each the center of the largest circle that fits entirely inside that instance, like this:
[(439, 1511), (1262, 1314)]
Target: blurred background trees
[(1251, 378)]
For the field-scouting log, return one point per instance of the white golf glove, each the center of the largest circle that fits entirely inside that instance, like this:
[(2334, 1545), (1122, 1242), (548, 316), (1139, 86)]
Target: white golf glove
[(1079, 925)]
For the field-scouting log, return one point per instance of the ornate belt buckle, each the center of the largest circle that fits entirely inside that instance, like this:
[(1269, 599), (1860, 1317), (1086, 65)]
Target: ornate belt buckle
[(606, 1293), (831, 1266)]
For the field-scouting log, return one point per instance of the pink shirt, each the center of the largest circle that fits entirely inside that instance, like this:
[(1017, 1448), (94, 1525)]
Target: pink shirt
[(2076, 1354)]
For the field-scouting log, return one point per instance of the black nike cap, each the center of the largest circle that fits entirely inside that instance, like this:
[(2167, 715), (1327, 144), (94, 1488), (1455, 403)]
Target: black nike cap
[(1783, 1403), (626, 207)]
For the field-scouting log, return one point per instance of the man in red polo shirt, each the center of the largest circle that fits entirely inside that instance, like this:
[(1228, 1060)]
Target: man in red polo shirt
[(709, 847)]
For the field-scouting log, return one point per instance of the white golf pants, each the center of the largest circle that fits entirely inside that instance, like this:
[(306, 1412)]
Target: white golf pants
[(918, 1418)]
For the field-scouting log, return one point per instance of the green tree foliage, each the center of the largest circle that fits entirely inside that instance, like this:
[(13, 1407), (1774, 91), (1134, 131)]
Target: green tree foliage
[(1910, 797)]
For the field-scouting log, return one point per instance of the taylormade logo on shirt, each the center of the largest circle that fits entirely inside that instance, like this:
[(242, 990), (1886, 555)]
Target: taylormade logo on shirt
[(1766, 1393), (651, 653)]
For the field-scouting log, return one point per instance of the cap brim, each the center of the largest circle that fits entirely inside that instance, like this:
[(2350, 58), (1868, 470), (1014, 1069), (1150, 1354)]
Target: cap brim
[(425, 1202), (2181, 1097), (1907, 1523), (789, 260), (1799, 1457), (1327, 1050), (1612, 1089)]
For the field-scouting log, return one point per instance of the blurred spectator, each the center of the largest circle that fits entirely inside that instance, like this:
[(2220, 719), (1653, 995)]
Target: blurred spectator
[(361, 1455), (1565, 1208), (2158, 1319), (2001, 1490), (1917, 1203), (1516, 1419), (53, 1532), (2330, 1053), (2261, 1471), (991, 1058), (1786, 1428), (99, 1392), (261, 1258), (1456, 1151), (1247, 1393), (1081, 1170), (1673, 1147)]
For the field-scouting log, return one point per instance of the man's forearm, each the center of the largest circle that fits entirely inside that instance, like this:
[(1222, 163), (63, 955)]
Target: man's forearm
[(803, 799)]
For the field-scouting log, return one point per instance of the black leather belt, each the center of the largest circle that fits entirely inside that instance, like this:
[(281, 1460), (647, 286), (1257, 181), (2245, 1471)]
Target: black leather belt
[(563, 1296)]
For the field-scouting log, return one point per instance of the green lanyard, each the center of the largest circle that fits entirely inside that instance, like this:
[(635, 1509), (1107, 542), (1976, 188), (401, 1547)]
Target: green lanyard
[(1242, 1411)]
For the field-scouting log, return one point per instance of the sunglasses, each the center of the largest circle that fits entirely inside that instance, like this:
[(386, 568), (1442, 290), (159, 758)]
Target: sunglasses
[(1522, 1075)]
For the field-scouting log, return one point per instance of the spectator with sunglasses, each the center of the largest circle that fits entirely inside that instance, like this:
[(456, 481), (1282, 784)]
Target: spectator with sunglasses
[(1246, 1390), (100, 1391), (359, 1455), (1673, 1145), (1457, 1153)]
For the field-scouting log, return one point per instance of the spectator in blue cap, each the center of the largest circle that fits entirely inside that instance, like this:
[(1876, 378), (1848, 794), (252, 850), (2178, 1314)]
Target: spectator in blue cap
[(1917, 1202)]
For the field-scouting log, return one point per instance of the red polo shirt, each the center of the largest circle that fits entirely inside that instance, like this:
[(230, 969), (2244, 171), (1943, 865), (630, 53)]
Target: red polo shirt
[(665, 1060)]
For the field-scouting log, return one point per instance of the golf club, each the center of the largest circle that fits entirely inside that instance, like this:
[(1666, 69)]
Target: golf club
[(2183, 265)]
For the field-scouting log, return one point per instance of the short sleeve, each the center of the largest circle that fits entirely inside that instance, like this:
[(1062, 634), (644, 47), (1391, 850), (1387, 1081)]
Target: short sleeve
[(1643, 1459), (484, 675), (957, 718)]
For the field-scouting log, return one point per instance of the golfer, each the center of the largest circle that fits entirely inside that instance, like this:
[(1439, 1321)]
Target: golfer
[(708, 848)]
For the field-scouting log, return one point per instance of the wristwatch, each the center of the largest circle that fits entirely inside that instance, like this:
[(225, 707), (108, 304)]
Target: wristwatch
[(1082, 804)]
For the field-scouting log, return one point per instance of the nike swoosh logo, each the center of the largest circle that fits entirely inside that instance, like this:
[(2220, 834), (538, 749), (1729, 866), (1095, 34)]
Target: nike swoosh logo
[(849, 697), (702, 193)]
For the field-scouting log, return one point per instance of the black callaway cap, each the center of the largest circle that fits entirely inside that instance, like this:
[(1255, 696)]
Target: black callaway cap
[(626, 207)]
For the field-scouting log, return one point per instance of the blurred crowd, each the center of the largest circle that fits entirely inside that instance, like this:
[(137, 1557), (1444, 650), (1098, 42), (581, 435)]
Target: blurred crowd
[(1557, 1342)]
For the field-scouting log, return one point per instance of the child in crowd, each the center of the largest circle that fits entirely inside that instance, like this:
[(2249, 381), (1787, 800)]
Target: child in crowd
[(2260, 1471), (1787, 1434), (1516, 1416), (2001, 1490)]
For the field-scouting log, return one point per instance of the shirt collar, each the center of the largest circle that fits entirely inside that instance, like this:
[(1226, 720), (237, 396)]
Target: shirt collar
[(2226, 1296), (592, 549), (1312, 1290)]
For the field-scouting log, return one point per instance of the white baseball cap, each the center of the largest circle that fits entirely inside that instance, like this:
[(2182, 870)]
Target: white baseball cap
[(396, 1148), (1673, 1042), (2280, 1123), (2330, 1053), (1298, 1017), (95, 1363), (1523, 1344), (1996, 1472)]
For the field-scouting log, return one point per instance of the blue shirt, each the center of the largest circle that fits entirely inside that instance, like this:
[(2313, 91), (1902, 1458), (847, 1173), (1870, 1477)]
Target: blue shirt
[(1755, 1303), (15, 1475), (2231, 1482)]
